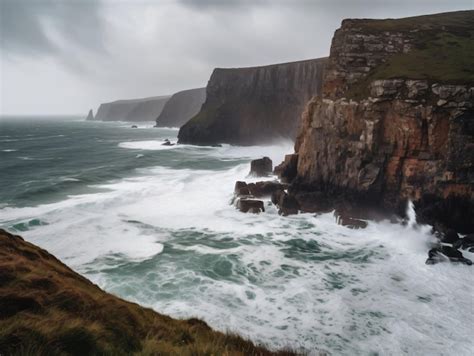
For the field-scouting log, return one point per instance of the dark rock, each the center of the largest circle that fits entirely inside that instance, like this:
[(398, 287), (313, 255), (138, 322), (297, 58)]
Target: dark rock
[(146, 109), (261, 167), (276, 196), (444, 254), (466, 243), (288, 205), (287, 170), (450, 237), (265, 188), (134, 127), (250, 206), (344, 218), (167, 143)]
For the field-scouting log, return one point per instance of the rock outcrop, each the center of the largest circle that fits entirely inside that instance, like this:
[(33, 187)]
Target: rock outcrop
[(387, 128), (48, 309), (90, 115), (247, 106), (181, 107), (146, 109)]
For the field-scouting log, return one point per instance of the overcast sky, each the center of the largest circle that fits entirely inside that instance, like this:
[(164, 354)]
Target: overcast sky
[(65, 57)]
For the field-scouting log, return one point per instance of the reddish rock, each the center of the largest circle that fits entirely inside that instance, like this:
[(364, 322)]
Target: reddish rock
[(250, 206), (261, 167)]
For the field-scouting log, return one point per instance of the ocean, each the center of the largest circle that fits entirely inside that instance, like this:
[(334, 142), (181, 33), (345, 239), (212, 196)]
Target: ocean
[(153, 224)]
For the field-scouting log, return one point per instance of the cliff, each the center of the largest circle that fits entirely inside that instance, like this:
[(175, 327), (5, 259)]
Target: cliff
[(246, 106), (181, 107), (395, 120), (48, 309), (146, 109)]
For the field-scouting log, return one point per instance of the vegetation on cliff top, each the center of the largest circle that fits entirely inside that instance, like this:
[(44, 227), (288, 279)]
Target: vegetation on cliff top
[(47, 309), (443, 49)]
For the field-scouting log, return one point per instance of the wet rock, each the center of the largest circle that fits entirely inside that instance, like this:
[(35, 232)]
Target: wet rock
[(466, 243), (276, 196), (134, 127), (167, 143), (344, 218), (265, 188), (450, 237), (250, 206), (287, 170), (241, 189), (445, 254), (288, 205), (261, 167)]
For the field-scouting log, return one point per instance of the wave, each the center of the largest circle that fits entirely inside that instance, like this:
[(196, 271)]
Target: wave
[(147, 145)]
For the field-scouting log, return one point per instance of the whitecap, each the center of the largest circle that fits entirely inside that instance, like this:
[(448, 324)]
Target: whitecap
[(147, 145)]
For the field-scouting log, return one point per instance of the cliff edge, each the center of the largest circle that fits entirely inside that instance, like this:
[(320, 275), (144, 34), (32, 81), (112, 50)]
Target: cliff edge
[(48, 309), (395, 120), (247, 106)]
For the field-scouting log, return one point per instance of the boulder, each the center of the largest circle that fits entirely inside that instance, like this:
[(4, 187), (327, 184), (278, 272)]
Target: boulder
[(445, 254), (250, 206), (241, 189), (261, 167), (134, 127), (265, 188), (287, 170), (167, 143)]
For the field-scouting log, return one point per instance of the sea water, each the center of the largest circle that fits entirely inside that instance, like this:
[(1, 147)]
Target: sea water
[(154, 224)]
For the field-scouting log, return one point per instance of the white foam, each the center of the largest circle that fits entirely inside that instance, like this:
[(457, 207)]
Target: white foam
[(147, 145), (300, 280)]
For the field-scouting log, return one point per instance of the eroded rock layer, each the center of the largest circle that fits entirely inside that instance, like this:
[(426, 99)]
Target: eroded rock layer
[(380, 136)]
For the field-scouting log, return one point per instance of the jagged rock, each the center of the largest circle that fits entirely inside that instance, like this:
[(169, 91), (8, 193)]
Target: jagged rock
[(288, 169), (344, 218), (416, 88), (250, 206), (386, 88), (264, 189), (276, 196), (261, 167), (248, 106), (241, 189), (444, 254)]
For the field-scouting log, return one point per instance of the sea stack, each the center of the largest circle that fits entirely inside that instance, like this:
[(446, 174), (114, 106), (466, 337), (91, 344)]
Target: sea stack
[(251, 106), (90, 115)]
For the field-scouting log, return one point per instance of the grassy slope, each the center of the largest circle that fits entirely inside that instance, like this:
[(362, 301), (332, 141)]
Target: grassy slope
[(48, 309), (443, 52)]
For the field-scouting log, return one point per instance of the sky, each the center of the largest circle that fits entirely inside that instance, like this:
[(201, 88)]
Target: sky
[(68, 56)]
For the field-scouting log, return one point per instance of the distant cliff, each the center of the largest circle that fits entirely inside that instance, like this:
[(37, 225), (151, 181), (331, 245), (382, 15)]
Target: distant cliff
[(247, 106), (146, 109), (90, 115), (181, 107), (396, 118)]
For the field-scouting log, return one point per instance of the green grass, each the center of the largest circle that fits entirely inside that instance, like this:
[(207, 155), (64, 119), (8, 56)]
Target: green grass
[(443, 50)]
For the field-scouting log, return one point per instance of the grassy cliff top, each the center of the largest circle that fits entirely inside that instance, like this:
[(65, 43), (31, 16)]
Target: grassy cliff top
[(443, 49), (48, 309)]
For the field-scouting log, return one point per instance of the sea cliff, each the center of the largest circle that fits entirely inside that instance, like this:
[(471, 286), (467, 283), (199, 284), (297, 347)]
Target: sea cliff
[(246, 106), (146, 109), (395, 120), (181, 107)]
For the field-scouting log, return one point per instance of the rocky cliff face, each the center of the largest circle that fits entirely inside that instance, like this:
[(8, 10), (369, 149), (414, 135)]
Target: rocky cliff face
[(146, 109), (247, 106), (90, 115), (181, 107), (381, 134)]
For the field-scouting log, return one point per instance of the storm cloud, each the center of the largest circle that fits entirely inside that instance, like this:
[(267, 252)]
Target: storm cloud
[(69, 56)]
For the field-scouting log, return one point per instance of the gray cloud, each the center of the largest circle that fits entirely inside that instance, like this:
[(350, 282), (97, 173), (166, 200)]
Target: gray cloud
[(68, 56)]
